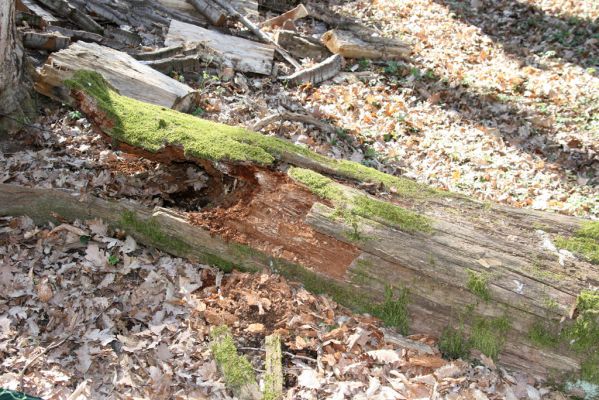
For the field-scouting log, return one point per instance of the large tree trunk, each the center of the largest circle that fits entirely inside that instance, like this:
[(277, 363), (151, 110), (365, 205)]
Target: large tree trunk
[(422, 260), (13, 94)]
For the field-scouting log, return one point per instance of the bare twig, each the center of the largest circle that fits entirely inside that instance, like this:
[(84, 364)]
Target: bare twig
[(290, 116)]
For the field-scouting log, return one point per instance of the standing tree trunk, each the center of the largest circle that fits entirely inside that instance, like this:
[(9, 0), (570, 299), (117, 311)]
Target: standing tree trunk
[(13, 94)]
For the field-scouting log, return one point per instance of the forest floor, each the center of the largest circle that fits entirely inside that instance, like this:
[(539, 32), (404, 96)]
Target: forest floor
[(500, 101)]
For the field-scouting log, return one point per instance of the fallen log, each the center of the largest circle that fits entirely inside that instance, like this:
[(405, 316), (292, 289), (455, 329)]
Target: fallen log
[(316, 73), (45, 40), (350, 45), (422, 260), (75, 35), (123, 72), (244, 55), (301, 46), (211, 11)]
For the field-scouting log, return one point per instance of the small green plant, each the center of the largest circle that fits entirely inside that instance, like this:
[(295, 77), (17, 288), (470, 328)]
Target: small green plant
[(74, 115), (84, 239), (392, 68), (198, 112), (162, 124), (363, 64), (370, 152), (113, 260), (478, 284), (543, 335), (453, 343)]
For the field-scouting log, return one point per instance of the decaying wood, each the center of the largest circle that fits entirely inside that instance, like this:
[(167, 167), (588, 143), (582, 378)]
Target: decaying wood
[(350, 45), (256, 31), (298, 12), (159, 54), (212, 12), (76, 16), (301, 46), (129, 76), (193, 57), (243, 55), (290, 116), (273, 378), (75, 35), (31, 7), (316, 73), (45, 40)]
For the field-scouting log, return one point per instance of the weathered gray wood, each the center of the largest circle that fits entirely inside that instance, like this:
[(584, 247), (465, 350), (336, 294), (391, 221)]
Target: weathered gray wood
[(316, 73), (244, 55), (301, 46), (33, 8), (77, 34), (129, 76), (65, 10), (45, 41), (211, 11)]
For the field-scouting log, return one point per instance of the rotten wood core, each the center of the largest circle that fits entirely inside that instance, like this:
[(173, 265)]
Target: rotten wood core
[(261, 208)]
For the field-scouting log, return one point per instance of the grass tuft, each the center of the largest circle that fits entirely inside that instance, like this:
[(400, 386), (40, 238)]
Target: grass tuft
[(478, 284), (488, 335), (453, 344)]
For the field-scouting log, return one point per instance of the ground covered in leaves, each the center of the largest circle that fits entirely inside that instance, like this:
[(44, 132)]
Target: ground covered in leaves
[(88, 313), (498, 101)]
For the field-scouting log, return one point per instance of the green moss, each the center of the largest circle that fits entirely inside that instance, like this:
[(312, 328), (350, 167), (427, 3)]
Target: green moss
[(488, 335), (584, 333), (453, 343), (585, 242), (318, 184), (151, 127), (348, 205), (236, 369), (478, 284), (150, 229), (394, 310), (220, 263)]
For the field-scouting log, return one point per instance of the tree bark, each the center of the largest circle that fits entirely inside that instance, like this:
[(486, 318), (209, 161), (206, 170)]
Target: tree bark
[(13, 94)]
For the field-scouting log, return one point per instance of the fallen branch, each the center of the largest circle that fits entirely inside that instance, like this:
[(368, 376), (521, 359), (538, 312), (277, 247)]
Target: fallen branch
[(290, 116), (316, 73), (350, 45), (77, 34), (256, 31), (210, 11), (45, 41)]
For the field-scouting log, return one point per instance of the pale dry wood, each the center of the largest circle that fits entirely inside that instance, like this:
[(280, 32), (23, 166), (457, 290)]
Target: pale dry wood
[(301, 46), (294, 14), (350, 45), (129, 76), (243, 55), (249, 7), (45, 40), (212, 12), (273, 377), (317, 73)]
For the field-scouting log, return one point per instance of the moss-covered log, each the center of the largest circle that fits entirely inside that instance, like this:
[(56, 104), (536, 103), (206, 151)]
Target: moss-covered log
[(482, 277)]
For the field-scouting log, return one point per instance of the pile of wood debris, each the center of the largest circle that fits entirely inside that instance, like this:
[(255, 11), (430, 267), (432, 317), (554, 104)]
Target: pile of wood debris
[(88, 313)]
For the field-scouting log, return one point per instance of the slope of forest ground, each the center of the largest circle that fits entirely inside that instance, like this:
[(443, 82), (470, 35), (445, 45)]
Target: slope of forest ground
[(498, 101)]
